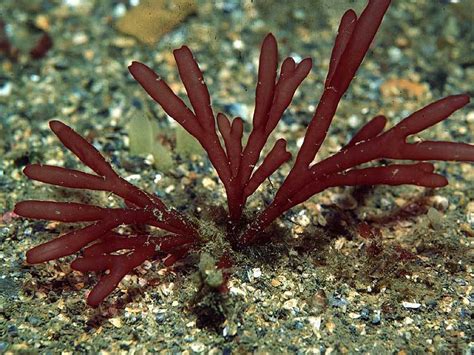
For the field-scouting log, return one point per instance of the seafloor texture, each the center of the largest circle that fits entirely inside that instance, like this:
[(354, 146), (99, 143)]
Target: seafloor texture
[(324, 285)]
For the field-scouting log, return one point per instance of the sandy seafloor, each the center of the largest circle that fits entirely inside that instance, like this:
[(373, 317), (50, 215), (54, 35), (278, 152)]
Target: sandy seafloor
[(319, 287)]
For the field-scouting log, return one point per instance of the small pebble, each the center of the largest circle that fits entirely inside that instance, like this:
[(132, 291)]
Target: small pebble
[(364, 314), (376, 317), (435, 218), (116, 322), (315, 323), (354, 121), (338, 301), (6, 88), (208, 183), (411, 305), (198, 347), (441, 203)]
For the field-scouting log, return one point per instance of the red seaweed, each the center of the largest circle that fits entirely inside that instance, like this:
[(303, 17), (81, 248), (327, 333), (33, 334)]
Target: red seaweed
[(237, 164)]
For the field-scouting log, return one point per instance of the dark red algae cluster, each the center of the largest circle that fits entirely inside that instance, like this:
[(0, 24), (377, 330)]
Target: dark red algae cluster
[(242, 168), (38, 51)]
